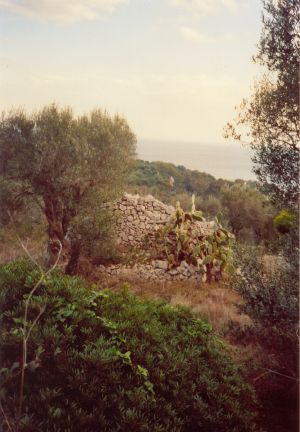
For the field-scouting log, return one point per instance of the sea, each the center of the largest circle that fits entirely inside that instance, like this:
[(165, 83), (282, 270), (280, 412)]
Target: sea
[(228, 160)]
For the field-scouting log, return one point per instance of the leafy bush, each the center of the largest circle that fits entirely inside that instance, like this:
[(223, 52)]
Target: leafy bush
[(96, 234), (285, 221), (110, 362), (271, 300)]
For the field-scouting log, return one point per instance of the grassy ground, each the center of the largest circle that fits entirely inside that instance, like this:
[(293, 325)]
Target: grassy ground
[(11, 248), (216, 302)]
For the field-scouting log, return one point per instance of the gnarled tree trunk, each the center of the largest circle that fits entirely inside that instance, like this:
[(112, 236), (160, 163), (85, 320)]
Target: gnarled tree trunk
[(58, 218), (71, 267), (54, 212)]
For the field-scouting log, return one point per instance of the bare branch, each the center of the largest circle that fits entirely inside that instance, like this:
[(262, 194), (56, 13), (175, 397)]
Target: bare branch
[(5, 418), (42, 310), (26, 333), (268, 371)]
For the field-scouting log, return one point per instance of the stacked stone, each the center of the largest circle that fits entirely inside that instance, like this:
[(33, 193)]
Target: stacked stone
[(138, 218), (155, 271)]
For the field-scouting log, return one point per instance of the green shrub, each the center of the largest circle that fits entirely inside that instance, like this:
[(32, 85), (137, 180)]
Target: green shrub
[(270, 298), (97, 235), (284, 222), (103, 361)]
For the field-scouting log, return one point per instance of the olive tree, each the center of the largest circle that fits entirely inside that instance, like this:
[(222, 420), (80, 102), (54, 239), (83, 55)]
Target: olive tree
[(271, 115), (65, 163)]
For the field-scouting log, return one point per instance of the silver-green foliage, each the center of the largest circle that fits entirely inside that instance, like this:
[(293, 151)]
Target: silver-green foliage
[(66, 163)]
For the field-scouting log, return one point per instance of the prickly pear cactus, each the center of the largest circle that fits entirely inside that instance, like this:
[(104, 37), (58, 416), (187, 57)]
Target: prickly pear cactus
[(211, 254)]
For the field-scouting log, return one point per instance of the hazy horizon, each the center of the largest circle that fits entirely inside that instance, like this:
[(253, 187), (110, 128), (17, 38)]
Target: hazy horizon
[(229, 160), (175, 69)]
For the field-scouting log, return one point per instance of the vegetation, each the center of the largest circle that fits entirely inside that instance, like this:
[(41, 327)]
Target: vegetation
[(270, 292), (104, 361), (271, 300), (272, 113), (155, 177), (249, 213), (65, 164), (211, 254), (238, 205), (285, 222), (74, 357)]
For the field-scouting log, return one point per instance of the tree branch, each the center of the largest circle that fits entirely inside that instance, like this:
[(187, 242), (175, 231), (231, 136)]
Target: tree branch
[(5, 418), (268, 371), (26, 333)]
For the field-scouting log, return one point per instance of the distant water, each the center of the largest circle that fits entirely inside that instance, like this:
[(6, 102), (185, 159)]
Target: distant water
[(225, 160)]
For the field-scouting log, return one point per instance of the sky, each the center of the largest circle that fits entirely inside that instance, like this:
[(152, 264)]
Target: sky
[(175, 69)]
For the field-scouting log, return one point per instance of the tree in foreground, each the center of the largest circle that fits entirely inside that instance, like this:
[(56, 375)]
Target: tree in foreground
[(270, 292), (67, 164), (103, 361), (270, 296), (271, 116)]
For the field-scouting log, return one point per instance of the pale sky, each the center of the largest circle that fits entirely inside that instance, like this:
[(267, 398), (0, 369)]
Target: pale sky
[(174, 69)]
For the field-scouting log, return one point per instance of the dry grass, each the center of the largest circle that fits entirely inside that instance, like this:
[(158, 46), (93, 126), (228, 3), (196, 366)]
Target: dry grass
[(10, 248), (215, 302), (217, 305)]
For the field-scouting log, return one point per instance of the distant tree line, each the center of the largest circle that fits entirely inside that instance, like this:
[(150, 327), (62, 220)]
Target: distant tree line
[(238, 204)]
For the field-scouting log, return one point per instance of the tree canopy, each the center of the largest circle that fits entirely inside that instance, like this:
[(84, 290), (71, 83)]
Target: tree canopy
[(272, 113), (62, 161)]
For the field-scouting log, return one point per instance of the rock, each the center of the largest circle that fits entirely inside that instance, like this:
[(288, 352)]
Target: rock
[(173, 272), (184, 265), (161, 264), (149, 214), (138, 220)]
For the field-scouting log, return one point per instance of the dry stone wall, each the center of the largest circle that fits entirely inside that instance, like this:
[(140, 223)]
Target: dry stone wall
[(156, 270), (138, 218)]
